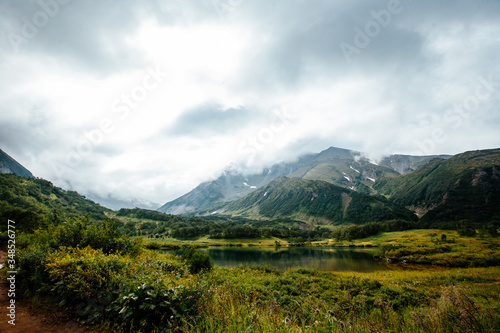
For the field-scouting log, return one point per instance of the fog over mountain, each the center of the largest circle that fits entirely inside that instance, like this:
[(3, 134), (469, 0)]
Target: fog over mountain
[(135, 103), (338, 166)]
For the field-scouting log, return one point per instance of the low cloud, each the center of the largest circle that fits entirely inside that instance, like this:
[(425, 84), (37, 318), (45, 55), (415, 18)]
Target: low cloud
[(209, 119), (410, 80)]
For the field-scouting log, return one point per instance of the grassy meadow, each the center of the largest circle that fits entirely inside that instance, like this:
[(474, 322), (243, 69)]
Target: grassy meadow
[(113, 281)]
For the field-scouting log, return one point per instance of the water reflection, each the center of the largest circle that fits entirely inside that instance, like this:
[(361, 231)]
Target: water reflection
[(326, 259)]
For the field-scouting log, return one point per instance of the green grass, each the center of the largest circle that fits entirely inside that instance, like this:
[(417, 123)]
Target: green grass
[(243, 242), (263, 300), (123, 288), (439, 247)]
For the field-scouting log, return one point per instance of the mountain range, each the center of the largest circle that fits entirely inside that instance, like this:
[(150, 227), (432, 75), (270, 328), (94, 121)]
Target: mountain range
[(342, 167), (315, 201), (342, 186), (335, 186)]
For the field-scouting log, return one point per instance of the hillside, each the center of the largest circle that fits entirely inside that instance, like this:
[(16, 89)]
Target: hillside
[(230, 185), (309, 200), (30, 201), (10, 165), (466, 186), (342, 167)]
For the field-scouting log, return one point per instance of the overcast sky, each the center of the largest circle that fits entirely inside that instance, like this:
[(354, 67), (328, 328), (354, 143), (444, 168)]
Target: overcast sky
[(142, 100)]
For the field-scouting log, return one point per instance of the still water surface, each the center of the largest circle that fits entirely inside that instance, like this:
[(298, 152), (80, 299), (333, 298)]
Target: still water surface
[(325, 259)]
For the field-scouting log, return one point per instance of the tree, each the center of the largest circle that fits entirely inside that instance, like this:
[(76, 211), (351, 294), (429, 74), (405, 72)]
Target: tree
[(492, 230)]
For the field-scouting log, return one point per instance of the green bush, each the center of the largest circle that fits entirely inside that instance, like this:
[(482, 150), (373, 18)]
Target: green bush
[(135, 294), (197, 260), (78, 274), (82, 233), (99, 235), (32, 276), (153, 245), (147, 303)]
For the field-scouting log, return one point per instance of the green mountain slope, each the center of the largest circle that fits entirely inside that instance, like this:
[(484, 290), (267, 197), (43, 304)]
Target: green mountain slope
[(466, 186), (343, 167), (230, 185), (309, 200), (31, 201)]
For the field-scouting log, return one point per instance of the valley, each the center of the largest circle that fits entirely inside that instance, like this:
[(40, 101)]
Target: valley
[(230, 166), (333, 241)]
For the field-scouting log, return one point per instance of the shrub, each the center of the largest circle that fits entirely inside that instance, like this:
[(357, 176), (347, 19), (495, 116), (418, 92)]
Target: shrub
[(103, 235), (197, 260), (146, 303), (82, 233), (78, 274), (153, 245), (466, 230), (139, 293), (32, 275)]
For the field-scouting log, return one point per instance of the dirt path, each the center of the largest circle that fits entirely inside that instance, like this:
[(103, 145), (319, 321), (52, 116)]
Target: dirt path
[(33, 320)]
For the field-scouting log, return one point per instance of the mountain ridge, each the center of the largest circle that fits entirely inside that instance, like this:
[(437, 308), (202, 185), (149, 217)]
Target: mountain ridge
[(343, 167), (32, 202), (314, 201), (10, 165), (465, 186)]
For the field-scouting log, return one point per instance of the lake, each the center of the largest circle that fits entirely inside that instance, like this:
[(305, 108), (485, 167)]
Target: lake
[(325, 259)]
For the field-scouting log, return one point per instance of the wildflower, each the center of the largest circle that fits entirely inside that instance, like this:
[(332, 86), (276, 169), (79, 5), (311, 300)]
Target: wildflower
[(171, 317), (342, 325), (287, 320), (316, 311), (330, 312), (190, 297), (316, 323)]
